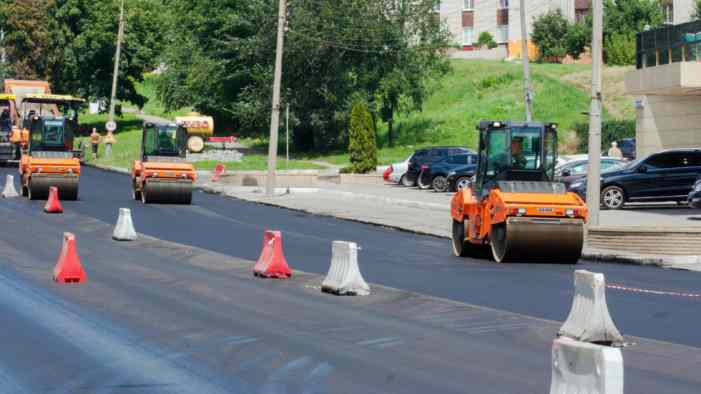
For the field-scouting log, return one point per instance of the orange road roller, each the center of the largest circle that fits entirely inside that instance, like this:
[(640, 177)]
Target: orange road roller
[(513, 206)]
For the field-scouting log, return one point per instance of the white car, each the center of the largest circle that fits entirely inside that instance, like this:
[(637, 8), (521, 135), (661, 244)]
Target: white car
[(397, 171)]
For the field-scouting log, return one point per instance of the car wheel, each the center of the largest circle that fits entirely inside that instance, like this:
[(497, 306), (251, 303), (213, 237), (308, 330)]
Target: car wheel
[(420, 183), (404, 180), (440, 184), (613, 197), (462, 182)]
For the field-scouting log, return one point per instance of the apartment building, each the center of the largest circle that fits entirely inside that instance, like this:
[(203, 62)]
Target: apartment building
[(466, 19)]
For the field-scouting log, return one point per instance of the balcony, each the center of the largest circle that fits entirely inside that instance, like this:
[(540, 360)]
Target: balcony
[(668, 61)]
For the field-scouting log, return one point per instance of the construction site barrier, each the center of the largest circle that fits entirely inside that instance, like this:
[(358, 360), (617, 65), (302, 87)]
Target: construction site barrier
[(53, 205), (585, 368), (124, 230), (589, 319), (9, 190), (68, 268), (344, 277), (272, 262)]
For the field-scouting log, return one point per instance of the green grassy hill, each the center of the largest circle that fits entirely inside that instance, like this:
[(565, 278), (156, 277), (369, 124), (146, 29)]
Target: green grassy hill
[(474, 90)]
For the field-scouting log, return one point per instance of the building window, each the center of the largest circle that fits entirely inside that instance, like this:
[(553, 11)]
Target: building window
[(668, 12), (503, 4), (502, 34), (468, 35), (468, 5)]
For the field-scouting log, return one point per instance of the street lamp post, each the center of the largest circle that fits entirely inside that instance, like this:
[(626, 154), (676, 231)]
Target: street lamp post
[(115, 75), (594, 170)]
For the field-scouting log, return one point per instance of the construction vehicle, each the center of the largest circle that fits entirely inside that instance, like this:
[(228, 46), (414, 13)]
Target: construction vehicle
[(162, 174), (18, 89), (198, 128), (513, 206), (8, 124), (49, 159)]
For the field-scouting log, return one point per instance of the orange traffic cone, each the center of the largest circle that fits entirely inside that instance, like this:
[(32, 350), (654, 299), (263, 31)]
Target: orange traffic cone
[(272, 263), (53, 205), (68, 268), (218, 171)]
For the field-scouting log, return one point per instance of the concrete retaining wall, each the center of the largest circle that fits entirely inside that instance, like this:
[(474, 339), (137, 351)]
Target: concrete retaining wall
[(301, 178), (646, 240)]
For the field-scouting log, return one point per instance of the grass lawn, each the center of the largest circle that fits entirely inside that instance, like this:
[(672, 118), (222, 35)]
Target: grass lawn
[(154, 106), (473, 91), (128, 136), (477, 90)]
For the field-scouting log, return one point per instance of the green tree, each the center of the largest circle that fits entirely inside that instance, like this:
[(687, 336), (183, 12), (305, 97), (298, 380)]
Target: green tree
[(550, 35), (578, 38), (697, 10), (220, 60), (71, 43), (621, 49), (485, 39), (624, 18), (361, 142)]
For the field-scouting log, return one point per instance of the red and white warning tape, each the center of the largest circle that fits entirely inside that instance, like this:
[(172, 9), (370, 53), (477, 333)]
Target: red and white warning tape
[(655, 292)]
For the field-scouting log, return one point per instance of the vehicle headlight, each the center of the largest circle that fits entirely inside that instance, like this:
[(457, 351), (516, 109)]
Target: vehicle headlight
[(576, 185), (698, 187)]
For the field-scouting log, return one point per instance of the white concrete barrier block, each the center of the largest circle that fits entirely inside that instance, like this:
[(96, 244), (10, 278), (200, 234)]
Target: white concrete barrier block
[(124, 230), (344, 276), (589, 319), (585, 368), (9, 190)]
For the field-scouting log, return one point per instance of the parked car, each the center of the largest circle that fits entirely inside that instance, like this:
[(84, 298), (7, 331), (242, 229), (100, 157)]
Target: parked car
[(461, 177), (575, 169), (428, 155), (435, 175), (627, 147), (397, 171), (663, 176), (694, 198)]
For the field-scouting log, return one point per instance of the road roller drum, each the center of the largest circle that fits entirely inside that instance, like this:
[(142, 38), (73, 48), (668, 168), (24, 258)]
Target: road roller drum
[(537, 240), (167, 192), (38, 187)]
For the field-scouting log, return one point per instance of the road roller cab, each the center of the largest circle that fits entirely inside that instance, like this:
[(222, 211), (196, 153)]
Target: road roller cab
[(49, 160), (162, 174), (514, 207)]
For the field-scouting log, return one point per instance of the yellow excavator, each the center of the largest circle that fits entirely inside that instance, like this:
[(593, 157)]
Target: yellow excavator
[(49, 160), (514, 207)]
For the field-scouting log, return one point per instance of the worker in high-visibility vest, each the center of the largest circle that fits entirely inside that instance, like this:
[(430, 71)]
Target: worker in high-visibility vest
[(95, 142)]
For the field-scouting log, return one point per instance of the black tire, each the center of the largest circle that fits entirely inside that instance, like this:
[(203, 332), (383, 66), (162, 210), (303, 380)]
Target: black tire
[(462, 181), (613, 197), (440, 184), (460, 246), (420, 184), (136, 194), (404, 180)]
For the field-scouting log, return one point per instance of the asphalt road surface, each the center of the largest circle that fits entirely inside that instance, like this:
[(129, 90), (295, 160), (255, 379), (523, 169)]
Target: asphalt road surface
[(158, 316)]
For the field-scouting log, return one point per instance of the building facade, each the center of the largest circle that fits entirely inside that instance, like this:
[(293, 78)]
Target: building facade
[(467, 19), (667, 85)]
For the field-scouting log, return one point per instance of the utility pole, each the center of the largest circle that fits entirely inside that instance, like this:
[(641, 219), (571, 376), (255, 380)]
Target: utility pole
[(275, 116), (594, 171), (120, 37), (526, 63), (287, 137), (3, 54)]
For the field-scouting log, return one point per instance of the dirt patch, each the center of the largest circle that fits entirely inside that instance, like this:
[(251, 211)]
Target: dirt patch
[(617, 103)]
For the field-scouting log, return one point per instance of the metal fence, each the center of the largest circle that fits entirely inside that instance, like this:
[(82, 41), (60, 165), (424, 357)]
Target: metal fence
[(669, 44)]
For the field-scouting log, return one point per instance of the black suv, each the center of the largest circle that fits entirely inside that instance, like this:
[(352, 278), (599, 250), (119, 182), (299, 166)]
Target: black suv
[(427, 156), (664, 176), (435, 174)]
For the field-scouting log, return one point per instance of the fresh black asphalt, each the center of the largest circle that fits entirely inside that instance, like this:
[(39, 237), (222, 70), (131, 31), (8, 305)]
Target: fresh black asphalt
[(398, 259)]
